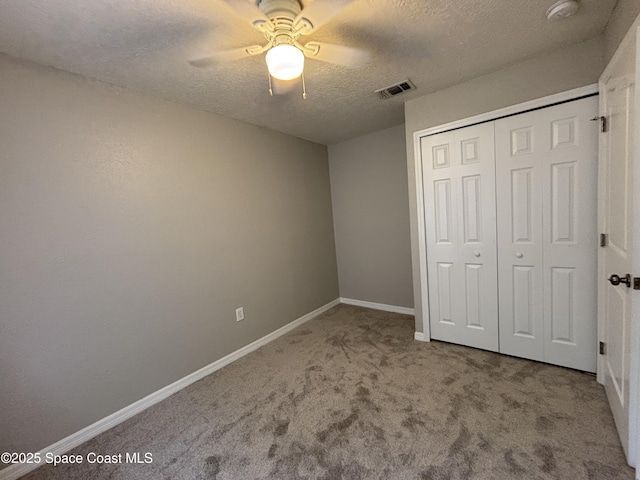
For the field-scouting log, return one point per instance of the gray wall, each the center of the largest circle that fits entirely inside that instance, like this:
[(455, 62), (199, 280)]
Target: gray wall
[(623, 16), (131, 228), (371, 217), (558, 71)]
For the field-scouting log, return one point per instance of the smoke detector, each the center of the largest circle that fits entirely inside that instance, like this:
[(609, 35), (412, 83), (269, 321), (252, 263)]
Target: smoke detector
[(561, 10)]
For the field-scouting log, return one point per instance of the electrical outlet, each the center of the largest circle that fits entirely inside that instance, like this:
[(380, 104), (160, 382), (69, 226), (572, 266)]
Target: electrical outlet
[(239, 314)]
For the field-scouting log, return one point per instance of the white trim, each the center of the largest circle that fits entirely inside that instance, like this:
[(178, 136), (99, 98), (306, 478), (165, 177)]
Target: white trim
[(378, 306), (634, 334), (512, 110), (602, 202), (422, 239), (417, 168), (419, 336), (17, 470)]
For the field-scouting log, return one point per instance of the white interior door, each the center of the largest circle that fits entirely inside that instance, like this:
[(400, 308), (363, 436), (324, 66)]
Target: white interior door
[(546, 169), (459, 203), (617, 105)]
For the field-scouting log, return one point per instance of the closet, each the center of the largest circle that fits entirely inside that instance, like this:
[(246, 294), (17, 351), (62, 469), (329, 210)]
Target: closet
[(511, 241)]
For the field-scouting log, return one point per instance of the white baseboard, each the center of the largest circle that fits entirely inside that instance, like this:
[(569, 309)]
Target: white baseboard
[(12, 472), (378, 306), (420, 337)]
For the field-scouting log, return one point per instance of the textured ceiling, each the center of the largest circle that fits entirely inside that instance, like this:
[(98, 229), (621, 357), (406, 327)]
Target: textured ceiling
[(145, 44)]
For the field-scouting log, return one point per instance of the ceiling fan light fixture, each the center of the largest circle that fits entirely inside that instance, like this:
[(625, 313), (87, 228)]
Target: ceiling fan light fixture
[(285, 62)]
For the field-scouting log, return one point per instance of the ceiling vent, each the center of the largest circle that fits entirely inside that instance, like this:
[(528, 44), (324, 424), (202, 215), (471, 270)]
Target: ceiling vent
[(397, 89)]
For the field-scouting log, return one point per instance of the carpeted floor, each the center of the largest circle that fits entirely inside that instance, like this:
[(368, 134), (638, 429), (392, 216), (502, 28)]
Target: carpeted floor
[(351, 395)]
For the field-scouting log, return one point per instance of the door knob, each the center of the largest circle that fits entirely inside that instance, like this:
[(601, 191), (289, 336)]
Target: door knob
[(476, 253), (617, 280), (519, 255)]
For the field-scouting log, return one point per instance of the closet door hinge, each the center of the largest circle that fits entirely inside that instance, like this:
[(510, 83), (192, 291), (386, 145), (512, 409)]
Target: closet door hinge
[(603, 123), (603, 239), (602, 348)]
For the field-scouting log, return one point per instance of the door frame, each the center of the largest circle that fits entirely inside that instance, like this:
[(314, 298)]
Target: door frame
[(633, 35), (547, 101)]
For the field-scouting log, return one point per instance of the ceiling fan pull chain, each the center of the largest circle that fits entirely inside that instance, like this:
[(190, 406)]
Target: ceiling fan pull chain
[(270, 89), (304, 88)]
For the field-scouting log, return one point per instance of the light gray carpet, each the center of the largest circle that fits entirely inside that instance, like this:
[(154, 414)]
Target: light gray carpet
[(351, 395)]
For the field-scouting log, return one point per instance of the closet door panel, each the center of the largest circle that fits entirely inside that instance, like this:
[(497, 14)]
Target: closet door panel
[(459, 185), (519, 209), (477, 222), (570, 234), (441, 233)]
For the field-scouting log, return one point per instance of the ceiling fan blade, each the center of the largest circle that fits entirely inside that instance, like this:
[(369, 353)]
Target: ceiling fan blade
[(338, 54), (317, 14), (223, 56), (280, 87), (248, 11)]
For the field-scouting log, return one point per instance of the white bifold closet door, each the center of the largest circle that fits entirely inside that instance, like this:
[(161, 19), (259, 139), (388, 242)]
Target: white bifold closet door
[(510, 210), (546, 177), (460, 210)]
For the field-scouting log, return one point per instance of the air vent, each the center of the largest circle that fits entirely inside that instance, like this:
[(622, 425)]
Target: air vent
[(397, 89)]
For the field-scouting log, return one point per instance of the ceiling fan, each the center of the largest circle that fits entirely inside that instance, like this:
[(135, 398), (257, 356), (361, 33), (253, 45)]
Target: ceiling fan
[(283, 22)]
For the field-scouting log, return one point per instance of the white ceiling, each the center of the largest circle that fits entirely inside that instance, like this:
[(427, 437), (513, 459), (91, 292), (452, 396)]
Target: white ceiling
[(144, 45)]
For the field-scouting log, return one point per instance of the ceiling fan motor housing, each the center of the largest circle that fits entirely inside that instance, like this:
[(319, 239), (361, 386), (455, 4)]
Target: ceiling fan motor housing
[(280, 10)]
